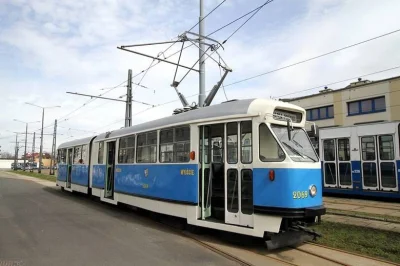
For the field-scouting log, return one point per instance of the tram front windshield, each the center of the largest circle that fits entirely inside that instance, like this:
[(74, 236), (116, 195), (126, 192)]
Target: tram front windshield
[(299, 148)]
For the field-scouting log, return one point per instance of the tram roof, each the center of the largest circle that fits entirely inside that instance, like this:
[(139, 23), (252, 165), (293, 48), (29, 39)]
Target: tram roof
[(76, 142), (225, 109)]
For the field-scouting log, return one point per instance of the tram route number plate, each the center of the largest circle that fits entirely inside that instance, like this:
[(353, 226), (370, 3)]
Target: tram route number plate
[(300, 194)]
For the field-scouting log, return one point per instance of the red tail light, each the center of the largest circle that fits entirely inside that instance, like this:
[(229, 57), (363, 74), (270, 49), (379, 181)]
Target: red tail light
[(192, 155), (271, 175)]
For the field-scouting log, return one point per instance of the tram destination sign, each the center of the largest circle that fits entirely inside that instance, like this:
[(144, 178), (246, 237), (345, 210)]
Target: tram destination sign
[(283, 115)]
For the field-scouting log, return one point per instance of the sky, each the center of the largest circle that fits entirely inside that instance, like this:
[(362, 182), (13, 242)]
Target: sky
[(48, 48)]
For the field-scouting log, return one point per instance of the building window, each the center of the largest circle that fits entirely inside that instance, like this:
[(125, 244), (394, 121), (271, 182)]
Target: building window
[(320, 113), (367, 106)]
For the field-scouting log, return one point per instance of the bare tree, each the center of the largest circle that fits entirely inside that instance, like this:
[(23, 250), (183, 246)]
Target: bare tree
[(6, 155)]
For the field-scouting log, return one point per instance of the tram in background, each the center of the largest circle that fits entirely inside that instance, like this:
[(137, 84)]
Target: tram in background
[(361, 160), (245, 166)]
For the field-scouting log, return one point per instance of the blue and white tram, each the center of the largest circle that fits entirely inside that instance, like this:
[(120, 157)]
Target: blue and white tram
[(361, 160), (241, 166)]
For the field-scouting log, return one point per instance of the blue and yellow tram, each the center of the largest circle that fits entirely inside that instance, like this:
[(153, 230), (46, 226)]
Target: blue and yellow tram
[(244, 166)]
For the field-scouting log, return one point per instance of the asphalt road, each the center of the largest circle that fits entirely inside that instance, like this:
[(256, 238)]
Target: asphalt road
[(41, 225)]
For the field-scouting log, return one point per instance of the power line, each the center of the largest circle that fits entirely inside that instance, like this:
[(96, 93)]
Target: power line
[(239, 18), (63, 118), (209, 13), (190, 45), (313, 58), (336, 82), (258, 9)]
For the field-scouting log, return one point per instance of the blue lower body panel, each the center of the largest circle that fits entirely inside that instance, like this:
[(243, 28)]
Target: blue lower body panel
[(171, 182), (99, 176), (62, 172), (290, 189), (80, 174)]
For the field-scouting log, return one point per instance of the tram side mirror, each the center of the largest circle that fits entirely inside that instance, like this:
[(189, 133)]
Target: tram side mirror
[(289, 129), (314, 131)]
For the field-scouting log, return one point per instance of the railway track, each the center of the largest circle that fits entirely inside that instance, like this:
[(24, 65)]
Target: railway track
[(371, 204)]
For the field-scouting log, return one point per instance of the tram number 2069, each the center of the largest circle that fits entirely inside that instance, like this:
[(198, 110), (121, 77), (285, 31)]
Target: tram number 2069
[(300, 194)]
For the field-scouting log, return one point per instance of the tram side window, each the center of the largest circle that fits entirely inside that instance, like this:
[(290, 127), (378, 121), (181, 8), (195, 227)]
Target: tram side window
[(232, 142), (84, 152), (182, 144), (62, 156), (100, 155), (368, 148), (175, 145), (78, 155), (246, 140), (269, 148), (329, 150), (126, 151), (386, 146), (147, 147), (343, 149), (207, 151)]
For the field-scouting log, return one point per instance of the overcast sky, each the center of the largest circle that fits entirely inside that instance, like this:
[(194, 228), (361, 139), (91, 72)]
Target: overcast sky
[(50, 47)]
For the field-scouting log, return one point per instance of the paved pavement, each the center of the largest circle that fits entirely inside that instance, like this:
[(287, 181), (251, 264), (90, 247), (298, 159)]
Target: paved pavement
[(40, 225)]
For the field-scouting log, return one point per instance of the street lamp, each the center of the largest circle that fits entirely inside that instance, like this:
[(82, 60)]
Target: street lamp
[(26, 136), (41, 134)]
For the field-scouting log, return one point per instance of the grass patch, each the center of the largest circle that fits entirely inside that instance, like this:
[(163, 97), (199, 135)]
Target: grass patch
[(357, 239), (365, 215), (36, 175)]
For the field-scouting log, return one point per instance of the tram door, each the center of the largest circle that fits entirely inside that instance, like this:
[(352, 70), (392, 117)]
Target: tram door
[(69, 168), (337, 164), (239, 173), (378, 166), (109, 182), (204, 172)]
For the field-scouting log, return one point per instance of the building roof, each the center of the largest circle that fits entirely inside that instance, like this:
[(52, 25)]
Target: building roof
[(350, 86)]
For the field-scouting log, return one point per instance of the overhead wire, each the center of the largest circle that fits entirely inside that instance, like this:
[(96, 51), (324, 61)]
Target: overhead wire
[(312, 58), (255, 12)]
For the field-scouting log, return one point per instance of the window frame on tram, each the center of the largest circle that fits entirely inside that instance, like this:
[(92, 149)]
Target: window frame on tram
[(173, 139)]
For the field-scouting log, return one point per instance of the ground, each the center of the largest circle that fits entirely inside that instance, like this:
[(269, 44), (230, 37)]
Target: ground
[(40, 225)]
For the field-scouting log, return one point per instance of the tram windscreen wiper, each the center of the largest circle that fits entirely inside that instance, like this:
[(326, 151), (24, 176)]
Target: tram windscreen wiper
[(297, 152)]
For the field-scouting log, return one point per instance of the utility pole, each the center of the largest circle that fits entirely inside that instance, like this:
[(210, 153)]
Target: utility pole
[(33, 147), (26, 139), (16, 152), (202, 68), (41, 144), (128, 111), (53, 150), (26, 136), (41, 133)]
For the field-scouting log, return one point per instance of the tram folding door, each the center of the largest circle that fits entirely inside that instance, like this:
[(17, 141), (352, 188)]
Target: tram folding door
[(239, 173), (378, 165), (226, 172), (109, 182), (337, 163), (69, 168)]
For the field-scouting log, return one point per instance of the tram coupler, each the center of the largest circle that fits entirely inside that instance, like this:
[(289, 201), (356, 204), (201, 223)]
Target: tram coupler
[(296, 235), (290, 238)]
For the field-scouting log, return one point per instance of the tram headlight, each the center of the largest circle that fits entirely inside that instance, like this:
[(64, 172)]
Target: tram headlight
[(313, 190)]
